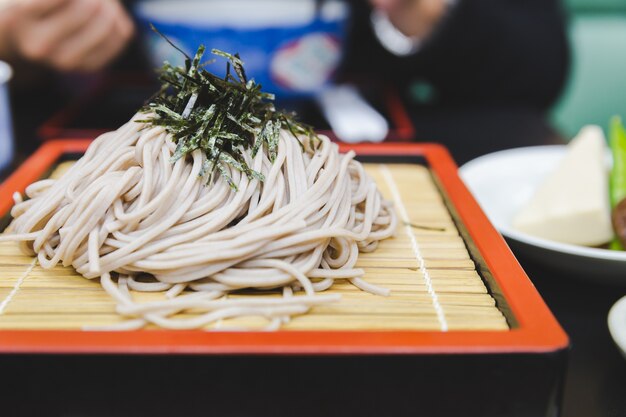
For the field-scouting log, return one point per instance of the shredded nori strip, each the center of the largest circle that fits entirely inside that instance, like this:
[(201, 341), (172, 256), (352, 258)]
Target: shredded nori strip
[(220, 116)]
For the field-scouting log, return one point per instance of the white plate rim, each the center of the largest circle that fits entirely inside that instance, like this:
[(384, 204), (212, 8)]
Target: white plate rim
[(616, 321), (505, 230)]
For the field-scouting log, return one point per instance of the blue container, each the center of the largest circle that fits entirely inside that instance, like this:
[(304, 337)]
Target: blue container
[(291, 47)]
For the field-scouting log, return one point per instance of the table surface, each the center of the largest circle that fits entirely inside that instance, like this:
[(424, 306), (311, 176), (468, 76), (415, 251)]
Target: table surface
[(596, 377)]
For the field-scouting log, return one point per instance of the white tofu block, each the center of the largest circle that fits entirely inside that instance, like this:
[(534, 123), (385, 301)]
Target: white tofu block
[(572, 204)]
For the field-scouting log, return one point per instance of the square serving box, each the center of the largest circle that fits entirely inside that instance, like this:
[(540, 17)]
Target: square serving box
[(516, 372)]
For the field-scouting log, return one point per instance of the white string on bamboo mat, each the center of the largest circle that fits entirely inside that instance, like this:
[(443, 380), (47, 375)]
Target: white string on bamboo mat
[(17, 286), (397, 198)]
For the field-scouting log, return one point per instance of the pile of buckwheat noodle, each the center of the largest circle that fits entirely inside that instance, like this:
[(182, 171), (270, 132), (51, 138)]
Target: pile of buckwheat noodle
[(124, 213)]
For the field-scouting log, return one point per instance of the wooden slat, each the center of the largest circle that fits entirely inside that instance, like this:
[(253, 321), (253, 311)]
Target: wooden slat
[(445, 277)]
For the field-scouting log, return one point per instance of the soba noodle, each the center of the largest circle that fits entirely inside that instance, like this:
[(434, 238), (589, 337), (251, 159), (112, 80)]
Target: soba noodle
[(124, 213)]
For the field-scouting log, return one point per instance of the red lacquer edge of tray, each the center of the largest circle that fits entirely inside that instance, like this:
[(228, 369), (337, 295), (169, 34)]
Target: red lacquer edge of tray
[(538, 330)]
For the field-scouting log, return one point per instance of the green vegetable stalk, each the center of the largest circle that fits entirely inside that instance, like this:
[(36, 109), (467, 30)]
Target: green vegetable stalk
[(617, 181)]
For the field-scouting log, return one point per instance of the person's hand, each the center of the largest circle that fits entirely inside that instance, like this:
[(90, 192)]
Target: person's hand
[(415, 18), (68, 35)]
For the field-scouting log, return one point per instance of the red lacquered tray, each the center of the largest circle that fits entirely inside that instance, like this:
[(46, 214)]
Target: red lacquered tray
[(535, 330)]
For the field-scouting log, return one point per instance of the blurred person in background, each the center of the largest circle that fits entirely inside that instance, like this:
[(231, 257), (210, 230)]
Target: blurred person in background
[(45, 39), (66, 35), (479, 74)]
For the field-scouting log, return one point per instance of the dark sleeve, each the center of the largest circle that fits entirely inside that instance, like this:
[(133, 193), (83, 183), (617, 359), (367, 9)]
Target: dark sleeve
[(485, 51)]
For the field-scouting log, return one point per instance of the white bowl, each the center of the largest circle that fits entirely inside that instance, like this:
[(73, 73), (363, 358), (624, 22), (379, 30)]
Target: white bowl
[(617, 324), (502, 182), (6, 131)]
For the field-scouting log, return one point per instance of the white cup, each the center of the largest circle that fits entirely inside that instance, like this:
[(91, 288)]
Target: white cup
[(6, 129)]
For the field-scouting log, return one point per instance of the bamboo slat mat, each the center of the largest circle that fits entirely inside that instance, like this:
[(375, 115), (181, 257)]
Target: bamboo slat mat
[(433, 281)]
